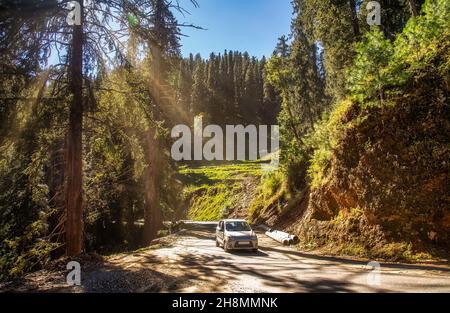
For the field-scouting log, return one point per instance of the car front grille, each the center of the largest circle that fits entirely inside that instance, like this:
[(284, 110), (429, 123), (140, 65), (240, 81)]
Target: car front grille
[(243, 244), (243, 239)]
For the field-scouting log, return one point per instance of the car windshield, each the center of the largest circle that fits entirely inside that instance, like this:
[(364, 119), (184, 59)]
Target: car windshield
[(237, 226)]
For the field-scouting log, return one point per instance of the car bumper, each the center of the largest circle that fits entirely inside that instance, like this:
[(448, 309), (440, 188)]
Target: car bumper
[(242, 244)]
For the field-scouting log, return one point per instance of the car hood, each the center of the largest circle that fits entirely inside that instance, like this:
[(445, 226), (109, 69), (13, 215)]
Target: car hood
[(240, 233)]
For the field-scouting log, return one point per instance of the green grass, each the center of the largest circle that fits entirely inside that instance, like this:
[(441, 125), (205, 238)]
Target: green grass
[(215, 190), (272, 189), (324, 140)]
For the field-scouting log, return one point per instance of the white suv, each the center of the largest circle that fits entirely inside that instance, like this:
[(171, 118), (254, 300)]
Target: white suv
[(236, 234)]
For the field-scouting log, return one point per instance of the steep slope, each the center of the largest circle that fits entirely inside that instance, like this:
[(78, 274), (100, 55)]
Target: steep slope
[(378, 175), (388, 180)]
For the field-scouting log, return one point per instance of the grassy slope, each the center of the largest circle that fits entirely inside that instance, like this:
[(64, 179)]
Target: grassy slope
[(216, 191)]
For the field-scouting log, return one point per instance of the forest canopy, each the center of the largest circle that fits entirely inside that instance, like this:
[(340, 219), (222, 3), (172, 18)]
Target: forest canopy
[(86, 112)]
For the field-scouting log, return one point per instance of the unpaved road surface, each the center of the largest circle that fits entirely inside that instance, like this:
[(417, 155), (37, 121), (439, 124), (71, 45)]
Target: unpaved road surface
[(190, 262)]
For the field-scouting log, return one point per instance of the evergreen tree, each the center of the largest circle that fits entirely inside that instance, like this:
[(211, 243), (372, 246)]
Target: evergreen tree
[(84, 51), (199, 94), (333, 24), (282, 47), (229, 88)]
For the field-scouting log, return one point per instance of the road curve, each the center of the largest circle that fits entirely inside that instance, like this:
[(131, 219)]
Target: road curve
[(283, 269), (189, 261)]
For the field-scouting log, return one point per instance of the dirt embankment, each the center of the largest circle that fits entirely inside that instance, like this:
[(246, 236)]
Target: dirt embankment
[(387, 189)]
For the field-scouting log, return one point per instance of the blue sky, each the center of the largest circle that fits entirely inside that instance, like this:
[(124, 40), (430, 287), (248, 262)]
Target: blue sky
[(244, 25)]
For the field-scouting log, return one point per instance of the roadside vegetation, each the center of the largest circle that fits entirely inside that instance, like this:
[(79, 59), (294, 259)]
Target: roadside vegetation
[(372, 165)]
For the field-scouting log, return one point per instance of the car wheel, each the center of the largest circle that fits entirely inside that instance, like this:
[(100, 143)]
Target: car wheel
[(255, 250)]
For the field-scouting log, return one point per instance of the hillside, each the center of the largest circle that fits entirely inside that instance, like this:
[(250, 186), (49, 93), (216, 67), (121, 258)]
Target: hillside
[(377, 182), (219, 191)]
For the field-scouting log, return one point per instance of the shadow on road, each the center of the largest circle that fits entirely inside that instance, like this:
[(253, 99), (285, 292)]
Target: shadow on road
[(194, 263), (343, 260), (219, 269), (248, 253)]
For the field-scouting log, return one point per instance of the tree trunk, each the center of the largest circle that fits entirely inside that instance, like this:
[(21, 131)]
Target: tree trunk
[(74, 192), (413, 7), (354, 17), (152, 211)]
